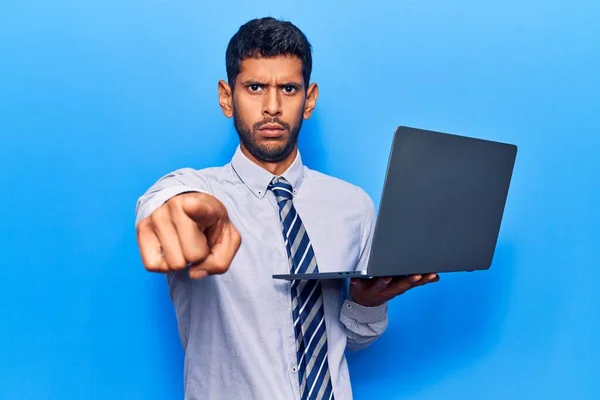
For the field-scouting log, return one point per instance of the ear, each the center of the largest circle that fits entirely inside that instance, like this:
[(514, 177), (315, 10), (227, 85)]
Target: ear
[(311, 100), (225, 98)]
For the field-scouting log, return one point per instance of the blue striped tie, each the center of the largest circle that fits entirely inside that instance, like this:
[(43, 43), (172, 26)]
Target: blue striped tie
[(307, 301)]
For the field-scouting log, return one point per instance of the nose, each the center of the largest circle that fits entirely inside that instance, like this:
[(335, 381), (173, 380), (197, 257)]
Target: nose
[(272, 103)]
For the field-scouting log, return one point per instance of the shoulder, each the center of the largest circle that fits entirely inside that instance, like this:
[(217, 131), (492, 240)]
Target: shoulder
[(353, 196), (194, 177), (207, 172)]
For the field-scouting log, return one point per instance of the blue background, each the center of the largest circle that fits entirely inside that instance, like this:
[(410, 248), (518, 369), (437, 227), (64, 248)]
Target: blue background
[(99, 99)]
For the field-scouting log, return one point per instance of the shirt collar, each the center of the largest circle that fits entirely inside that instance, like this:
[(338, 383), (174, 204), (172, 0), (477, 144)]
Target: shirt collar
[(257, 179)]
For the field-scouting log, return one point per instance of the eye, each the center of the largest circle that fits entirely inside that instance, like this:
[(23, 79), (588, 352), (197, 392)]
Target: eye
[(289, 89), (254, 87)]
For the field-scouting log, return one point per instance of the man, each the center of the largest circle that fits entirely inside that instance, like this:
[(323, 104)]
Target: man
[(221, 233)]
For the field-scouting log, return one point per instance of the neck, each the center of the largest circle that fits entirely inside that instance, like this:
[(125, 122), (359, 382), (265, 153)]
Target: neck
[(276, 168)]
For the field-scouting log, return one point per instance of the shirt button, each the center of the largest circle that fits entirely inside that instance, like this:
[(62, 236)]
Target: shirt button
[(349, 305), (294, 368), (259, 192)]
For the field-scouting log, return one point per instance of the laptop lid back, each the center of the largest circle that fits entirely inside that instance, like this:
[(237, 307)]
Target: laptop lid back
[(442, 203)]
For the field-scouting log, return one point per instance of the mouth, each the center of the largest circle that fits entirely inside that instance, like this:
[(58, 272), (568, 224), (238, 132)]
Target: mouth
[(272, 130)]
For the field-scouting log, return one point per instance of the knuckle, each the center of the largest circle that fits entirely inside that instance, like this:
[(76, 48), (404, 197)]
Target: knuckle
[(197, 255), (189, 201), (220, 267), (142, 230), (153, 267), (142, 225), (195, 251), (177, 199), (177, 263), (234, 237), (160, 216), (150, 267)]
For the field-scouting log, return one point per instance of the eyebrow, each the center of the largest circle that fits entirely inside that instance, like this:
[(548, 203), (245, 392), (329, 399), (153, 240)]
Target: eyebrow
[(294, 84)]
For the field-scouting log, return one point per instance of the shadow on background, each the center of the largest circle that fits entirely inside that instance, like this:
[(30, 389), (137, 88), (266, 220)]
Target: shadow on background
[(437, 330)]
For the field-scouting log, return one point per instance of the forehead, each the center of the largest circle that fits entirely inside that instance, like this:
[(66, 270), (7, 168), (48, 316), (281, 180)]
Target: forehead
[(271, 69)]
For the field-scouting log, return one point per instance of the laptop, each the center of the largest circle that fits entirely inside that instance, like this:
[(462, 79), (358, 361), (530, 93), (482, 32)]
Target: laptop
[(441, 207)]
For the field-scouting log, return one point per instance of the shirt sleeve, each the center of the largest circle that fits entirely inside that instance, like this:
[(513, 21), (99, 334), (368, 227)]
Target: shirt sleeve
[(177, 182), (364, 325)]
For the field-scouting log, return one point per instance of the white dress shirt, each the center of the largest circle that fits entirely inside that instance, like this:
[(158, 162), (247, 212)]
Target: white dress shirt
[(236, 328)]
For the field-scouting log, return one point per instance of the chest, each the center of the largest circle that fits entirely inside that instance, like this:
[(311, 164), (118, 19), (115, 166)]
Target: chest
[(335, 234)]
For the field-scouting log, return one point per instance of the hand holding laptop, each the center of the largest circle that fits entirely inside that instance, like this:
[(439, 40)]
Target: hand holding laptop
[(374, 292)]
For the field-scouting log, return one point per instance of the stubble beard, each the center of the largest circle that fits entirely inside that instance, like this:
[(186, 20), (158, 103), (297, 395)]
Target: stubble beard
[(267, 153)]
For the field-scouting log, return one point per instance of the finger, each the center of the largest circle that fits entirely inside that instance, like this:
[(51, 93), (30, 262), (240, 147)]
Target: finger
[(204, 210), (196, 273), (150, 248), (364, 284), (402, 285), (381, 284), (430, 278), (221, 253), (191, 239), (167, 235), (361, 283)]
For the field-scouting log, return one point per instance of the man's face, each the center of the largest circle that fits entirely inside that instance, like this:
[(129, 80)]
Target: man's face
[(269, 101)]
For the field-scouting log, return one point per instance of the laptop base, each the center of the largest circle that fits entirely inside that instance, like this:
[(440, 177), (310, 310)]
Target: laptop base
[(330, 275)]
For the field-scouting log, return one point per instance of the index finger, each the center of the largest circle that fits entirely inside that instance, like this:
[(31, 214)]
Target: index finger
[(220, 256), (203, 210)]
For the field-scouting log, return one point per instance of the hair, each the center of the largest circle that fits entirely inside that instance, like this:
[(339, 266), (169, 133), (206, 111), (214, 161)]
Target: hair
[(267, 37)]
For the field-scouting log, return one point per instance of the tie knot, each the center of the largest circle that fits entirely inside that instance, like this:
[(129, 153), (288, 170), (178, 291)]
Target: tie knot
[(281, 188)]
